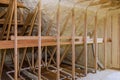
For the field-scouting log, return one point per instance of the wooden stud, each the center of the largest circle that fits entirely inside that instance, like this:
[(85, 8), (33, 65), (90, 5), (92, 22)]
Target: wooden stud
[(85, 41), (119, 34), (15, 42), (111, 38), (73, 44), (39, 41), (95, 41), (85, 37), (105, 40), (58, 41)]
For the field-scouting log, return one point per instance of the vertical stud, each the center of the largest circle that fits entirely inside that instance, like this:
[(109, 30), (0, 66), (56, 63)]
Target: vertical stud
[(15, 41), (73, 45), (58, 41), (105, 41), (95, 41), (85, 41), (39, 41)]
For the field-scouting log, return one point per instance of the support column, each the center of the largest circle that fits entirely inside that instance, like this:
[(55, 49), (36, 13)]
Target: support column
[(15, 41), (73, 45), (39, 41), (58, 41), (95, 42), (105, 41)]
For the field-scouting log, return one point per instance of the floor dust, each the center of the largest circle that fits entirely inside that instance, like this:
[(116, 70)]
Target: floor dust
[(103, 75)]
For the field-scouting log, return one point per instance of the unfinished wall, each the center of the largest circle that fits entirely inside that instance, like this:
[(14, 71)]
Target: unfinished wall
[(50, 8)]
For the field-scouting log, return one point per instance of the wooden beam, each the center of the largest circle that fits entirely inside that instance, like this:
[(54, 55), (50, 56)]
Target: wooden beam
[(85, 36), (39, 40), (105, 41), (6, 44), (47, 37), (95, 42), (85, 41), (73, 44), (15, 42), (58, 41)]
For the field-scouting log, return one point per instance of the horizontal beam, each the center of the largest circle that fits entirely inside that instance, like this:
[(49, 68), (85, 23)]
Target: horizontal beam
[(45, 37), (46, 41)]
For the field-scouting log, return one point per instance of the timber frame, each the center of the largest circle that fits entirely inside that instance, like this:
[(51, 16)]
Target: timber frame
[(20, 40)]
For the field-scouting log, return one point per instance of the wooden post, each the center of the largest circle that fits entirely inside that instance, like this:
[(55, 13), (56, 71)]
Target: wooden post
[(85, 41), (96, 45), (85, 37), (111, 37), (73, 45), (119, 33), (58, 41), (105, 40), (15, 41), (39, 41)]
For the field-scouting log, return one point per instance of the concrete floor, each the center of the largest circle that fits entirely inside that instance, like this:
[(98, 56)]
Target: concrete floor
[(103, 75)]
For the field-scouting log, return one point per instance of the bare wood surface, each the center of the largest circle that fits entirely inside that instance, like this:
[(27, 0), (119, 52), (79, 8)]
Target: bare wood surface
[(58, 42), (73, 45), (15, 42), (39, 41)]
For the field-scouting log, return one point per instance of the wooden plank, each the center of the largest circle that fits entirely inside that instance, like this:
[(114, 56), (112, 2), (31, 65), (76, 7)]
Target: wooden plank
[(96, 44), (73, 44), (33, 43), (39, 41), (105, 41), (85, 41), (47, 37), (15, 42), (85, 37), (111, 21), (58, 41)]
